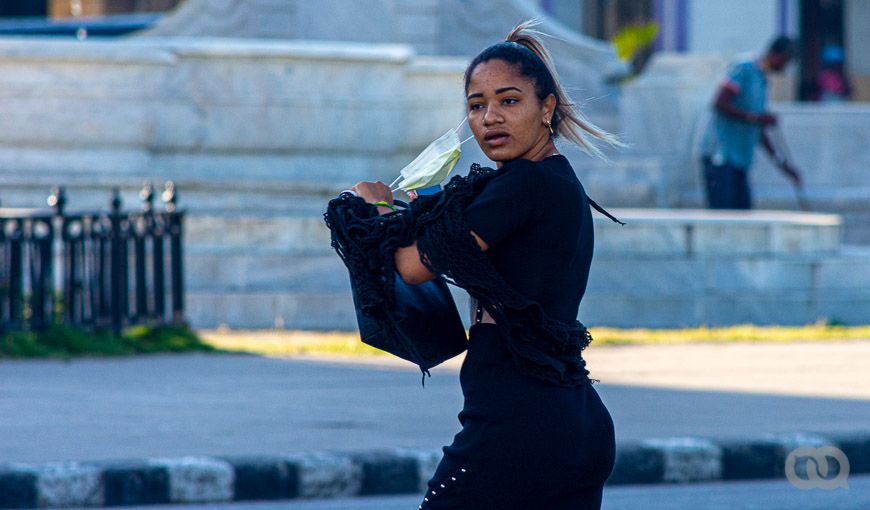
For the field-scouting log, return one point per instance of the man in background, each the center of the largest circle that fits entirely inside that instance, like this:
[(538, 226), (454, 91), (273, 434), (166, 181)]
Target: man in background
[(738, 123)]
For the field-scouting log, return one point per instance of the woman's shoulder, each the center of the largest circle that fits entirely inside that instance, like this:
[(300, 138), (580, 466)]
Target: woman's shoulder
[(552, 175), (546, 177), (517, 173), (556, 173), (539, 171)]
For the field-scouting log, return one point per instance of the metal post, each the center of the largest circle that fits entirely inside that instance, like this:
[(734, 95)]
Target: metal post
[(142, 232), (40, 272), (92, 250), (63, 259), (139, 234), (104, 295), (16, 274), (116, 262), (159, 273), (170, 197), (72, 292), (156, 230), (46, 259), (124, 296), (4, 277)]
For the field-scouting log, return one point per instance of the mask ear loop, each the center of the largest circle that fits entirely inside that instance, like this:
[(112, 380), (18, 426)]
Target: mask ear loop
[(457, 128)]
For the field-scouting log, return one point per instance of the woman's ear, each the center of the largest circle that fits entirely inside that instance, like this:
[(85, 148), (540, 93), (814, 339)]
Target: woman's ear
[(549, 107)]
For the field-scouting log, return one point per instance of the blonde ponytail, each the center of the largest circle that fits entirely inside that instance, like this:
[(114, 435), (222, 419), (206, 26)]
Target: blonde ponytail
[(567, 120)]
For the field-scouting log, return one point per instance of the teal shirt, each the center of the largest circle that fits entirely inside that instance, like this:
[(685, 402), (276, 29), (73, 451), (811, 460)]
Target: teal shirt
[(731, 141)]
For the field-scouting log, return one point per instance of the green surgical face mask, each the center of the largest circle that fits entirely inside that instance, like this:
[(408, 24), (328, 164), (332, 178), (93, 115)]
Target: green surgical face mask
[(434, 164)]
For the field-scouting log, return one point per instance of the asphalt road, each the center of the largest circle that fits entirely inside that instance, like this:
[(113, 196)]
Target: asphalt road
[(157, 406)]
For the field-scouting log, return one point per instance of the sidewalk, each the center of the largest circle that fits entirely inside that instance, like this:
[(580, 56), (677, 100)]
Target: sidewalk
[(223, 427)]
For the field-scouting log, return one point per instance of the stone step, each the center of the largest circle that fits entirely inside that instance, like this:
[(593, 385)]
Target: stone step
[(623, 275), (312, 310), (711, 234), (767, 308), (313, 292), (647, 233), (287, 236), (664, 268), (247, 273), (334, 311), (270, 185), (210, 193)]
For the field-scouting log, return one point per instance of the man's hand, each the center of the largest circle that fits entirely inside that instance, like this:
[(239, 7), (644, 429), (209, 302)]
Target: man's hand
[(725, 105), (763, 119)]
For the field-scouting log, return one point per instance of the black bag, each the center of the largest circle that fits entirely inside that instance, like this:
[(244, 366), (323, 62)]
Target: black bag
[(424, 328), (423, 325)]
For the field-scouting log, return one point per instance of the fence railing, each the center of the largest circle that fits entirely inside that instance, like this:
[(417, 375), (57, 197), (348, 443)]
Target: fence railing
[(94, 269)]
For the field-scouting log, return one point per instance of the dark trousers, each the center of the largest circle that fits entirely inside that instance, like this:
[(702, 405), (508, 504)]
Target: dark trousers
[(727, 186)]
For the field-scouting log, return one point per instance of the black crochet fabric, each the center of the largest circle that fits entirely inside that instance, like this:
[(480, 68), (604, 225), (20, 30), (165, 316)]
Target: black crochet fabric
[(541, 346), (366, 242)]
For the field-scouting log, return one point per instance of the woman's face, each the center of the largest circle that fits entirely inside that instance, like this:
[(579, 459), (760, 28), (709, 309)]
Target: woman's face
[(504, 113)]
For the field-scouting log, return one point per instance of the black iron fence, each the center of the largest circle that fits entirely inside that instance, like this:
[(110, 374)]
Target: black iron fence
[(100, 269)]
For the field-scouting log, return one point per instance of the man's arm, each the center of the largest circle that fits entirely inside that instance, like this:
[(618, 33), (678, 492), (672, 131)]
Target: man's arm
[(725, 105), (768, 147)]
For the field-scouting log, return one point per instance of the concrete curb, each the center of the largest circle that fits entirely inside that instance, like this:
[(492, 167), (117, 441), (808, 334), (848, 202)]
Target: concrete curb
[(400, 471)]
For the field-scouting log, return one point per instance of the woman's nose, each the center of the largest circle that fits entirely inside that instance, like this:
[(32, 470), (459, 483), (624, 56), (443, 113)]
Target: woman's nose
[(491, 116)]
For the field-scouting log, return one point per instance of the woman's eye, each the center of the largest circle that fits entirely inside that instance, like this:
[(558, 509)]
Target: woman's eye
[(475, 106), (510, 100)]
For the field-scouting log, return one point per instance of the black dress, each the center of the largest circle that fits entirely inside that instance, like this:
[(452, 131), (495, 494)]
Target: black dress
[(526, 443)]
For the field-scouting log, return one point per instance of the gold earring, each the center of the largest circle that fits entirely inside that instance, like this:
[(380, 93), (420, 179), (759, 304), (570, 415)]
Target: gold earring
[(549, 126)]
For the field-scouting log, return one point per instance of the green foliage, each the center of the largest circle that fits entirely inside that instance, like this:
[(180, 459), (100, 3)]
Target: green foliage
[(64, 341), (634, 38)]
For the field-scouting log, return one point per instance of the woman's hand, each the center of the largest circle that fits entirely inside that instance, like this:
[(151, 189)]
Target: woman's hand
[(373, 192)]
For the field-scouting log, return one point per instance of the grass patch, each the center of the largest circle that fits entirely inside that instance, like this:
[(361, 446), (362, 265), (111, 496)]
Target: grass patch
[(741, 333), (340, 343), (64, 342), (290, 343)]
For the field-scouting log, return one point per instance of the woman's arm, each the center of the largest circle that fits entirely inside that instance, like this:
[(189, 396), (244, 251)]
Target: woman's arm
[(412, 271), (407, 258)]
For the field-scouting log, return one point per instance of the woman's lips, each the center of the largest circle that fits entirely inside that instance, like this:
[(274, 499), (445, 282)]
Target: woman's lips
[(496, 140)]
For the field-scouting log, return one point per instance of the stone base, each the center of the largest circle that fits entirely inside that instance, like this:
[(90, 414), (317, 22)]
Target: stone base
[(664, 268)]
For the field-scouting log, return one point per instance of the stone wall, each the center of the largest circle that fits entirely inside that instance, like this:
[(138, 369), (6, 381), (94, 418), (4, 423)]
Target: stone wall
[(230, 121), (431, 27)]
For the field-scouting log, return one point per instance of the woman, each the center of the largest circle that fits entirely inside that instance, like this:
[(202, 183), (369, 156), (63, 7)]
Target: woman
[(532, 437)]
